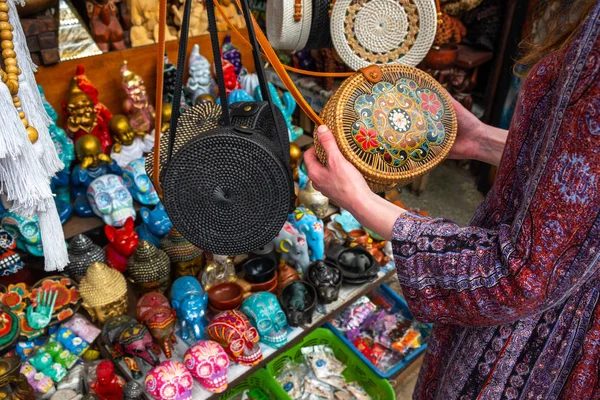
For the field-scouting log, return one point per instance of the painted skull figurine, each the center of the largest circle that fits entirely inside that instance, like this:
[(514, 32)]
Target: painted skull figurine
[(266, 315), (26, 231), (208, 364), (110, 200), (139, 184), (169, 381), (232, 330), (190, 302)]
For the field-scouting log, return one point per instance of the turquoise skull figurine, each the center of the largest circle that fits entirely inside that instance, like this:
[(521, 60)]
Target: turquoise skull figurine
[(110, 200), (265, 314), (286, 105), (189, 302), (26, 231), (139, 184)]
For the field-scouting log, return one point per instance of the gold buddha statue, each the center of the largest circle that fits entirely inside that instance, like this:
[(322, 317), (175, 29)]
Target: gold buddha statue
[(80, 108), (89, 152)]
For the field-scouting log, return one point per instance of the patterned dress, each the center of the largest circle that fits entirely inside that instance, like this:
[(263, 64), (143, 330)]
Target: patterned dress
[(515, 297)]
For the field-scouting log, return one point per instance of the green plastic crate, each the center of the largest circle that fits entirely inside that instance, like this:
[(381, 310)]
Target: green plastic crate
[(356, 370), (260, 379)]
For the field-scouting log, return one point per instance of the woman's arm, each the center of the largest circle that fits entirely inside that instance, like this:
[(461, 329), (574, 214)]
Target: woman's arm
[(473, 276)]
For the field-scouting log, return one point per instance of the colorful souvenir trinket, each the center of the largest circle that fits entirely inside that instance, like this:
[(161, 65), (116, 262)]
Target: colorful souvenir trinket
[(104, 292), (208, 364), (265, 314), (187, 258), (123, 243), (233, 331), (155, 312), (82, 253), (149, 268), (169, 381), (190, 302)]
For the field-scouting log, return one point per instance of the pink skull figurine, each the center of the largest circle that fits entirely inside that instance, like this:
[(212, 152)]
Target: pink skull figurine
[(169, 381), (154, 311), (208, 363), (232, 330)]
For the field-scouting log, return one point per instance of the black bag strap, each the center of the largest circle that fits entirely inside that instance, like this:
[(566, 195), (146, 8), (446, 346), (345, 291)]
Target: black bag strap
[(181, 60)]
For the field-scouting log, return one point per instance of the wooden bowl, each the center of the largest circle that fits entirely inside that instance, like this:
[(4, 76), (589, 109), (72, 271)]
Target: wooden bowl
[(225, 296), (216, 310), (259, 270), (441, 57)]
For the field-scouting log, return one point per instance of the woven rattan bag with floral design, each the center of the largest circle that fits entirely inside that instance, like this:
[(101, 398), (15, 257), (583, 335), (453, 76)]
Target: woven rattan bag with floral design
[(393, 122)]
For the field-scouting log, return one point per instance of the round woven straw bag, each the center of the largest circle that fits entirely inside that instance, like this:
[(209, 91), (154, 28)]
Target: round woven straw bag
[(288, 23), (366, 32), (320, 32), (394, 123)]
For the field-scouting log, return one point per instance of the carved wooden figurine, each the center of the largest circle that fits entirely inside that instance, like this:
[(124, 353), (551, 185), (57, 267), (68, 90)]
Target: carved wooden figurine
[(198, 18), (144, 16), (231, 12), (105, 25)]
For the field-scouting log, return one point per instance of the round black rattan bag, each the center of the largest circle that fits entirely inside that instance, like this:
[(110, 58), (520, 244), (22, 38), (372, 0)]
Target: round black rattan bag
[(227, 190)]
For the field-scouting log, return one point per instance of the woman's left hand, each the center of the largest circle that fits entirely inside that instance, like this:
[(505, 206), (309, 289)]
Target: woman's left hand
[(340, 181)]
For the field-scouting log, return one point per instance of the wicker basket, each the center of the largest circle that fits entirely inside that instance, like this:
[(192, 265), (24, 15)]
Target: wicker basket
[(393, 127)]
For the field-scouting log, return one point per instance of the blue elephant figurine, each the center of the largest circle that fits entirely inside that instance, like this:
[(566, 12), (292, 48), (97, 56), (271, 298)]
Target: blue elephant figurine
[(291, 243), (156, 224), (286, 105), (307, 222), (189, 302)]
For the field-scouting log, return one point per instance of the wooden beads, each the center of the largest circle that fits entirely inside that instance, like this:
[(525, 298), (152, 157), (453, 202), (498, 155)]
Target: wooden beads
[(11, 72)]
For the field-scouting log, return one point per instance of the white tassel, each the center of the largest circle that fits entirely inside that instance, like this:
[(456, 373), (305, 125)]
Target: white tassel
[(50, 163), (55, 250), (11, 145)]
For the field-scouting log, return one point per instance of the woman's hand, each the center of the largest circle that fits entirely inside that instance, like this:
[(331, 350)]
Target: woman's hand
[(476, 140), (341, 182)]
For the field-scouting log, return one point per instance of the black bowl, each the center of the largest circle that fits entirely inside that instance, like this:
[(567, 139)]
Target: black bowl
[(259, 270), (294, 316), (356, 263)]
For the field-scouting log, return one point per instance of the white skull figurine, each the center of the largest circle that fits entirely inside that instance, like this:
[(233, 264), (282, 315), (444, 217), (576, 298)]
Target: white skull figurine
[(110, 200)]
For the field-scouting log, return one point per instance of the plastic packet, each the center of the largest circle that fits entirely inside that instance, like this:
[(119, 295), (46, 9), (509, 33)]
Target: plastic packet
[(290, 379), (318, 388), (322, 361), (357, 313), (410, 340), (336, 382), (357, 392)]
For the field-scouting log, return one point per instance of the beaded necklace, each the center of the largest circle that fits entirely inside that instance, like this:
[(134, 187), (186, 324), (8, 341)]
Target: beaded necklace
[(10, 73)]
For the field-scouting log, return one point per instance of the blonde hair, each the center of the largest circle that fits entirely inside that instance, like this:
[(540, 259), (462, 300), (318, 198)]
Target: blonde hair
[(566, 17)]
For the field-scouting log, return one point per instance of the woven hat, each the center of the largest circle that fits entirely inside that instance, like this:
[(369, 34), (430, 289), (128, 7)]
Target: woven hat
[(148, 264), (394, 123), (178, 248), (289, 23), (366, 32), (82, 253), (102, 285)]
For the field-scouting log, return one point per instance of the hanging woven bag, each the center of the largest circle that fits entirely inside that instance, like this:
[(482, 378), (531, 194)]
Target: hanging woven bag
[(224, 171), (289, 23)]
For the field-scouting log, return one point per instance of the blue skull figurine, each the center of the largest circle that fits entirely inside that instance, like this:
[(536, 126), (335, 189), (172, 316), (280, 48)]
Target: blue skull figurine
[(139, 184), (156, 224), (66, 153), (307, 222), (189, 301), (26, 231), (265, 314)]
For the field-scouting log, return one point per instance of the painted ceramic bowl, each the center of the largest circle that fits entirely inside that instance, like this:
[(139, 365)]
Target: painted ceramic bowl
[(259, 270), (225, 296)]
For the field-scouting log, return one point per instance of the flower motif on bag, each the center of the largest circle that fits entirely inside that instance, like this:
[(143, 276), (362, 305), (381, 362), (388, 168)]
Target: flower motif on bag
[(430, 102), (367, 138), (398, 122)]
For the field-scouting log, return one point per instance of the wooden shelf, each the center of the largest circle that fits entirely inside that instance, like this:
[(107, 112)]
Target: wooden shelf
[(104, 71), (238, 373)]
